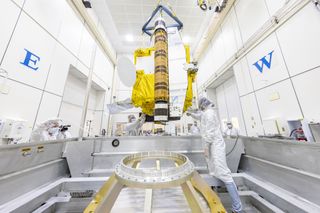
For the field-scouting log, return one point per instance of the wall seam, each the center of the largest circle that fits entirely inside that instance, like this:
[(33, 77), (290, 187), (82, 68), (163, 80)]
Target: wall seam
[(18, 4), (255, 97), (52, 93), (64, 90), (95, 47), (234, 32), (112, 100), (236, 22), (248, 67), (101, 80), (225, 100), (20, 11), (293, 76), (28, 85), (285, 63), (236, 58), (13, 31), (80, 106), (306, 71), (290, 78), (241, 108), (265, 2), (101, 120), (262, 88), (42, 94), (87, 95), (56, 39)]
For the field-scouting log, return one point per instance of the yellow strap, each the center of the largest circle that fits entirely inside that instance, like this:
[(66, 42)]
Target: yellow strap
[(187, 49)]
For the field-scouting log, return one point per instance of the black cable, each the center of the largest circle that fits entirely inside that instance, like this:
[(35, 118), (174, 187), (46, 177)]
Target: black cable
[(292, 132), (234, 146)]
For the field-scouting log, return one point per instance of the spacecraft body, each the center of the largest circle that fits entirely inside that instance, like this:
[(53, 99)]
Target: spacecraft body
[(163, 87)]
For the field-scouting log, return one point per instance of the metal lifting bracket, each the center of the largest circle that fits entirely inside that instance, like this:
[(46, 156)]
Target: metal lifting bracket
[(148, 29)]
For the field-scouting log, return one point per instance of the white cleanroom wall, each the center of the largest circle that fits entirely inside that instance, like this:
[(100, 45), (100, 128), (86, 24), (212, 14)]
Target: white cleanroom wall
[(73, 100), (55, 37), (279, 78), (228, 105)]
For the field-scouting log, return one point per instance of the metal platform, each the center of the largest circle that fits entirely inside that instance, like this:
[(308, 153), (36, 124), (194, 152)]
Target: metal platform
[(275, 175)]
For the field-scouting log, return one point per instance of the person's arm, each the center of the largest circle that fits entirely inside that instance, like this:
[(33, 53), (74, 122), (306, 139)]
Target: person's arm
[(137, 124), (195, 115), (141, 121), (131, 126)]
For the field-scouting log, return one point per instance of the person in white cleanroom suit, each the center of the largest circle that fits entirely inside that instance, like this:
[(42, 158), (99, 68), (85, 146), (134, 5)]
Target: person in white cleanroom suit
[(134, 126), (47, 130), (194, 129), (214, 148), (230, 131)]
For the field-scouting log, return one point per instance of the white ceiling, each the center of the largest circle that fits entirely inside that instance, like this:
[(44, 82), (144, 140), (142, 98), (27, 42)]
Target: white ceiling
[(122, 21)]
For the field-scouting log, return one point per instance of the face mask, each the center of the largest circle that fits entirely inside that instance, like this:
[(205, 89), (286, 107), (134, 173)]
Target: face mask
[(133, 120), (53, 131)]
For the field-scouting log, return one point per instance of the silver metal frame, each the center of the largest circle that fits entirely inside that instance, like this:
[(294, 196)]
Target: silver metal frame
[(276, 175), (154, 178)]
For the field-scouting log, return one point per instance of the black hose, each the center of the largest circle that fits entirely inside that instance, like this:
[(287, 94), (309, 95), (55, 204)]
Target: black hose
[(234, 146), (292, 132)]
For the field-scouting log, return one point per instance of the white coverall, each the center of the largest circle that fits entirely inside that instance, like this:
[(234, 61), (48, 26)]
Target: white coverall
[(132, 129), (64, 135), (215, 152), (194, 130), (46, 131), (233, 132), (213, 144)]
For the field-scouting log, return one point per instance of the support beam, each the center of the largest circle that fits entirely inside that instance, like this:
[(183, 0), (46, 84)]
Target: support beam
[(110, 198), (136, 164), (149, 194), (105, 198), (211, 197), (148, 201), (192, 197), (87, 95)]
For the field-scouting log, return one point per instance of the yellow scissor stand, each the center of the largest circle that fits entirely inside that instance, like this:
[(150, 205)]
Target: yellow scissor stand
[(181, 173)]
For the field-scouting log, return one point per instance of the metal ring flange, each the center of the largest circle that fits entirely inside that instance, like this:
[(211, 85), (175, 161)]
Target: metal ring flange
[(153, 178)]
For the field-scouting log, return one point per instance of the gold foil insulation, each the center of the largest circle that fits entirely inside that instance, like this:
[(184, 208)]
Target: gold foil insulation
[(161, 80)]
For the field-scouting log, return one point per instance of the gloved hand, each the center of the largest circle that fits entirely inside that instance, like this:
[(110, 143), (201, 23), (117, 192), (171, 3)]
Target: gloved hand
[(194, 114), (142, 118), (190, 112)]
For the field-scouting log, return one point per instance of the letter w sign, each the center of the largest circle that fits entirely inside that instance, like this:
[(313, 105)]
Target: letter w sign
[(264, 61)]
